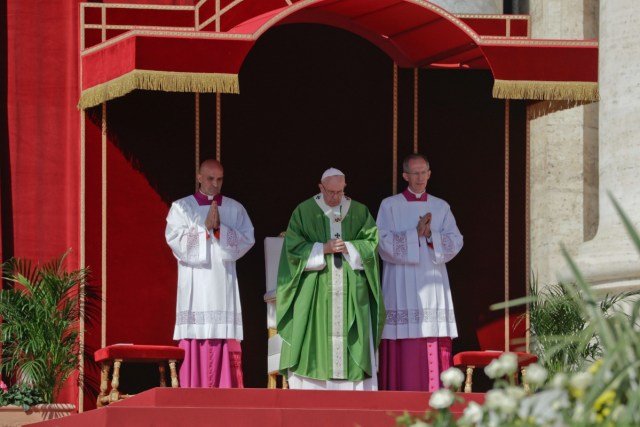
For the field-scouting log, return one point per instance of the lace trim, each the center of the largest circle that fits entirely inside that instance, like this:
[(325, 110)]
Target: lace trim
[(416, 316), (232, 238), (448, 246), (400, 245), (208, 317), (193, 245)]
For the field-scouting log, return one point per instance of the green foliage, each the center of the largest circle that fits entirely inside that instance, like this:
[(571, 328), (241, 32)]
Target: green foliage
[(618, 375), (21, 395), (41, 311), (559, 326)]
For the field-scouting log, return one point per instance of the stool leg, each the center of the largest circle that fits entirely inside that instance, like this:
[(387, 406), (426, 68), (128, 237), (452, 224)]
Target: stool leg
[(104, 384), (285, 383), (161, 369), (468, 382), (271, 381), (114, 396), (174, 373)]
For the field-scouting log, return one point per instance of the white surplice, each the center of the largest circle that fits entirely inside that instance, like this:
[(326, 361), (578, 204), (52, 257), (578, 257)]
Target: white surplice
[(415, 283), (208, 301)]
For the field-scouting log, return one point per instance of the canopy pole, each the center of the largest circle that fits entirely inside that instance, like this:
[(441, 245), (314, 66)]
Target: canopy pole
[(416, 77), (395, 130), (218, 125), (103, 266), (506, 223), (197, 137), (527, 228)]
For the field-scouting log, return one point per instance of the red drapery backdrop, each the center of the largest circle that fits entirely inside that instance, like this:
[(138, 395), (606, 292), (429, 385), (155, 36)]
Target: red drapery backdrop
[(43, 133), (41, 152)]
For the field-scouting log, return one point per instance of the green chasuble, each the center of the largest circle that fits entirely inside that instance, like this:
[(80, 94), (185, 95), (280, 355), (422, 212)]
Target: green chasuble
[(326, 317)]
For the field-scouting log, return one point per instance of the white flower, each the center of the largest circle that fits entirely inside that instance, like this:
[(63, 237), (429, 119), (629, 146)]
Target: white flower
[(494, 369), (452, 377), (419, 423), (506, 364), (578, 411), (498, 400), (618, 411), (472, 414), (559, 380), (535, 375), (545, 407), (441, 399), (581, 380), (516, 393), (509, 362)]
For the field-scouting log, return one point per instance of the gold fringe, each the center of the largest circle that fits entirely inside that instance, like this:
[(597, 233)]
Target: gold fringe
[(542, 90), (166, 81), (542, 108)]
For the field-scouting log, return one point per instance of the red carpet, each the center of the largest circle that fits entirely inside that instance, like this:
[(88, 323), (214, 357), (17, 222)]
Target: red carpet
[(256, 407)]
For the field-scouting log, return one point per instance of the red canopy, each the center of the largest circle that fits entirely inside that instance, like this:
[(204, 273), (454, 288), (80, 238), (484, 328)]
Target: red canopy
[(201, 49)]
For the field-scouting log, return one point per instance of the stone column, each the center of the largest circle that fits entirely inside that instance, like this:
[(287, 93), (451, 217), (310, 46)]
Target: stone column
[(563, 151), (610, 261)]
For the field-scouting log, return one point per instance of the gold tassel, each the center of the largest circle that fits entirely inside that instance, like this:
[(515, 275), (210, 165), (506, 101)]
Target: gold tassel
[(542, 90), (166, 81)]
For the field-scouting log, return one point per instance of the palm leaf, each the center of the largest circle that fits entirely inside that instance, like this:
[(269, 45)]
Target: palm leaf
[(41, 315)]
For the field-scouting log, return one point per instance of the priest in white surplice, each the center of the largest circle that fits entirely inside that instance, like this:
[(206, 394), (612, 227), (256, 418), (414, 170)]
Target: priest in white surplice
[(418, 235), (208, 233)]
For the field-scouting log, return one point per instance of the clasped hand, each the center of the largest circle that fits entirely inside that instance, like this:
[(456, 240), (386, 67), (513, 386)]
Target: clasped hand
[(424, 225), (335, 246), (213, 217)]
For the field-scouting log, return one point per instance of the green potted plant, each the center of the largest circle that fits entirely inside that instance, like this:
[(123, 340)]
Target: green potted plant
[(560, 326), (41, 307)]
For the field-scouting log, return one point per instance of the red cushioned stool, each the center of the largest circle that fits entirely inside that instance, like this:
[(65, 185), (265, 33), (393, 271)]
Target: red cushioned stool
[(115, 355), (471, 359), (490, 337)]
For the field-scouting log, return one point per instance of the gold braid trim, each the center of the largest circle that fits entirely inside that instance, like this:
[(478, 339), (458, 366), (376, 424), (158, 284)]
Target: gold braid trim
[(166, 81), (541, 90)]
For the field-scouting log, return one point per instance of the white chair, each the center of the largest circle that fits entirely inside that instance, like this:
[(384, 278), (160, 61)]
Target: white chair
[(272, 250)]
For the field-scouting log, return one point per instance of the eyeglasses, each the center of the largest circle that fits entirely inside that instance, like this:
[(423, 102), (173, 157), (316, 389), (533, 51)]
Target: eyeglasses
[(332, 193), (421, 173)]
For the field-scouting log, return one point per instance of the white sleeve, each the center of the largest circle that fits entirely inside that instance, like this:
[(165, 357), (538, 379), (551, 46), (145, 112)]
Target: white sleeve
[(447, 241), (186, 238), (396, 245), (236, 233), (316, 260), (353, 257)]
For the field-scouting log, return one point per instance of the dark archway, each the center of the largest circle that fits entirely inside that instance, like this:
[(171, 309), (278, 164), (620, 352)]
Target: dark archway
[(312, 97), (315, 96)]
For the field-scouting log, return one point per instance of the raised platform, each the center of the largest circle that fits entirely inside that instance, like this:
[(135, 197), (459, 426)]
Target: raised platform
[(256, 407)]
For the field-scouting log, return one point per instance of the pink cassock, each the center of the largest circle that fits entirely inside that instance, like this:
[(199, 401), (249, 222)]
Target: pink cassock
[(211, 363), (414, 364)]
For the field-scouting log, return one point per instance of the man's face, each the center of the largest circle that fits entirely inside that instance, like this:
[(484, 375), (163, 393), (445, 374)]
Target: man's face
[(418, 175), (332, 189), (210, 179)]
